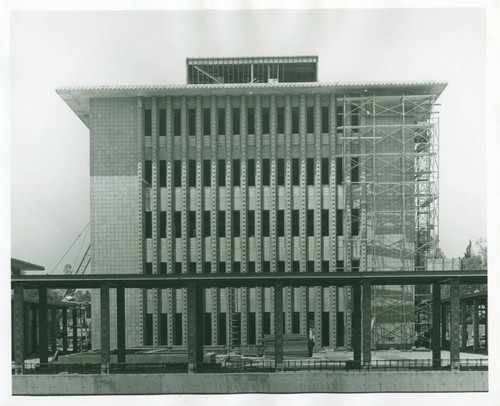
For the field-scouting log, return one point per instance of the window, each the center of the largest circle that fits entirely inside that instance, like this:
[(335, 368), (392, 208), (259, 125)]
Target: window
[(163, 267), (354, 116), (281, 266), (206, 223), (192, 173), (251, 172), (222, 224), (265, 172), (148, 225), (236, 223), (192, 224), (324, 223), (281, 223), (265, 223), (281, 172), (207, 169), (310, 171), (340, 222), (222, 172), (163, 173), (236, 121), (221, 121), (251, 121), (207, 267), (177, 122), (148, 172), (251, 267), (310, 223), (281, 120), (354, 222), (340, 116), (236, 267), (177, 173), (325, 119), (295, 171), (355, 169), (295, 120), (178, 268), (251, 223), (147, 123), (163, 224), (295, 223), (163, 122), (191, 121), (295, 266), (310, 120), (206, 121), (266, 267), (178, 224), (339, 170), (236, 172), (222, 267), (325, 266), (325, 171), (355, 265), (265, 120), (149, 268), (310, 266)]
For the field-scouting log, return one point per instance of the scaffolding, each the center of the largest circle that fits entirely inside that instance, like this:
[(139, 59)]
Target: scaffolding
[(389, 148)]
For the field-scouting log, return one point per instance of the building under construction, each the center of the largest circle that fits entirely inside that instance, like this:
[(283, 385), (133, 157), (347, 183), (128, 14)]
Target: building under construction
[(254, 166)]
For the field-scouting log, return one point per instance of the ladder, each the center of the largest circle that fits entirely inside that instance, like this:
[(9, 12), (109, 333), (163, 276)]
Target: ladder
[(232, 314)]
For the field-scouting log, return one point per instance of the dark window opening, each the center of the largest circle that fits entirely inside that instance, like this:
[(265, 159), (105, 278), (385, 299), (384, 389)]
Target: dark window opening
[(339, 266), (295, 322), (310, 120), (281, 266), (163, 173), (177, 121), (251, 172), (236, 121), (206, 223), (148, 172), (355, 169), (163, 122), (192, 173), (221, 121), (310, 171), (163, 224), (325, 266), (149, 268), (178, 224), (325, 329), (236, 267), (355, 265), (207, 267), (310, 223), (147, 123), (265, 172), (325, 119), (340, 116), (207, 329), (266, 323), (222, 267), (340, 222), (265, 120), (281, 120), (191, 121), (178, 329), (148, 225), (266, 267), (236, 172), (251, 267), (148, 336), (355, 222), (295, 266), (221, 333), (324, 223), (339, 170), (295, 120), (295, 171), (265, 223), (251, 223), (221, 172), (251, 328), (177, 173), (295, 223), (281, 172), (310, 266), (354, 116), (163, 267), (251, 121), (325, 171), (207, 169), (281, 223), (192, 267), (192, 224), (178, 268), (206, 121), (222, 224), (236, 223)]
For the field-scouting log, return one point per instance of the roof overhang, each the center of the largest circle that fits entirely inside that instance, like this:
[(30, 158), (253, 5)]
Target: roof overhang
[(78, 97), (16, 266)]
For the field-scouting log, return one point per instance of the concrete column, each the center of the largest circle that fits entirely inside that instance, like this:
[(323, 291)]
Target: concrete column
[(194, 325), (278, 326), (65, 328), (436, 325), (18, 326), (120, 323), (105, 329), (454, 323), (475, 324), (53, 329), (43, 328), (463, 323), (356, 323), (367, 322), (74, 316)]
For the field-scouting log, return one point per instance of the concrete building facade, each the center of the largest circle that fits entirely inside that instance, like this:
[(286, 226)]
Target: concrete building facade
[(253, 167)]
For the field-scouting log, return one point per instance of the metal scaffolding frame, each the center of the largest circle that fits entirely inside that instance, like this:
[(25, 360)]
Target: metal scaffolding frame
[(389, 148)]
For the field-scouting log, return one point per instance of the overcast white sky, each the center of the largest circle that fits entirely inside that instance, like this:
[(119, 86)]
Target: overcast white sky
[(50, 146)]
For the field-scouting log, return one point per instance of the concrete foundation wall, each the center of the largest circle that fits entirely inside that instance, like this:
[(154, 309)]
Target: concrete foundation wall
[(338, 382)]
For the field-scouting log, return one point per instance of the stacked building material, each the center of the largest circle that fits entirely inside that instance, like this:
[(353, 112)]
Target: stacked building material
[(294, 345)]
